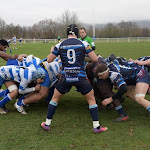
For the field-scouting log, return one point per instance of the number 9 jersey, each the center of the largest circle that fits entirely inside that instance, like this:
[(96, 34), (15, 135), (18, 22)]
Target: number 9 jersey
[(72, 52)]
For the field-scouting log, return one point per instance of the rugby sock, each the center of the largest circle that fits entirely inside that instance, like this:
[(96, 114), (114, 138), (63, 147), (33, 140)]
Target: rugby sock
[(120, 110), (48, 122), (21, 98), (21, 103), (6, 92), (148, 108), (94, 115), (10, 50), (51, 109), (5, 100), (2, 93)]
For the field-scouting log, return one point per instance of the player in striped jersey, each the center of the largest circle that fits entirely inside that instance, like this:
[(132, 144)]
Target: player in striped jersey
[(9, 74), (25, 61), (52, 71)]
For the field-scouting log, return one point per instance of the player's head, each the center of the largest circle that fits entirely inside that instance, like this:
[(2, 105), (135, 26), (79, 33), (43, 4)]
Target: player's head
[(102, 71), (82, 32), (39, 73), (111, 57), (72, 30), (3, 44), (59, 38)]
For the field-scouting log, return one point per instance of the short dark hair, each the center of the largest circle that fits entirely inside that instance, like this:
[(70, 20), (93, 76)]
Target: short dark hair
[(100, 68), (3, 42), (82, 28)]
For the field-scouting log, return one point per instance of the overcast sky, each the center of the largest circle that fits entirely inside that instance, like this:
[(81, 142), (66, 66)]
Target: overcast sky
[(28, 12)]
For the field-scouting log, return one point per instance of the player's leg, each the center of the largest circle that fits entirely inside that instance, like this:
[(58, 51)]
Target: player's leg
[(13, 91), (85, 88), (93, 107), (61, 88), (140, 91), (51, 109), (13, 45), (130, 92), (31, 98)]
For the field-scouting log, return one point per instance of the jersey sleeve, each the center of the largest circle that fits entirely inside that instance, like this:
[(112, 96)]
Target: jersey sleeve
[(23, 87), (117, 78), (87, 47), (56, 49)]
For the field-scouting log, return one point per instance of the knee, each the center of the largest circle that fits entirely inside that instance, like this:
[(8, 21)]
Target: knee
[(43, 95), (13, 93), (139, 99)]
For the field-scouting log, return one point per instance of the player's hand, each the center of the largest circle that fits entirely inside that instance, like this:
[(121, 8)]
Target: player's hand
[(52, 49), (131, 59), (107, 101), (37, 87), (138, 62), (15, 57)]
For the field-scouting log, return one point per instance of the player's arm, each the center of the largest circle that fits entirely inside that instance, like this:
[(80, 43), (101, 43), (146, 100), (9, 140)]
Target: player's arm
[(53, 53), (93, 56), (50, 57), (90, 52), (118, 80), (6, 56), (146, 62), (120, 92), (23, 87)]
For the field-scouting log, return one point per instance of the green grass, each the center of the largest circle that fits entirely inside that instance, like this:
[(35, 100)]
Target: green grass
[(72, 125)]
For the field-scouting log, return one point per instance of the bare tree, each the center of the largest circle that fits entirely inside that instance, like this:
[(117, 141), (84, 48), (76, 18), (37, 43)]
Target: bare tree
[(2, 28), (64, 20)]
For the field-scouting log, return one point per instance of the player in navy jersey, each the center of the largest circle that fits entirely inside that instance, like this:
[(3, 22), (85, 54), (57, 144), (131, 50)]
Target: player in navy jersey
[(104, 89), (72, 53), (120, 75), (143, 61)]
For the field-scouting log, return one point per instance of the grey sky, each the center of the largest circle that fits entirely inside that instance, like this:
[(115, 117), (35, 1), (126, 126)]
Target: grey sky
[(28, 12)]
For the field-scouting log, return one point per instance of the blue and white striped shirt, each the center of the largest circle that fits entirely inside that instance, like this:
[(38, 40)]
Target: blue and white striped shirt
[(20, 75)]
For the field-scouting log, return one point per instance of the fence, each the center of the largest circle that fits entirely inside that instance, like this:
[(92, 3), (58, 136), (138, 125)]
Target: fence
[(97, 40)]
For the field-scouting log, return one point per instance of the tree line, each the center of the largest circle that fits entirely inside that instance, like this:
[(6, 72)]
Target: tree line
[(50, 29)]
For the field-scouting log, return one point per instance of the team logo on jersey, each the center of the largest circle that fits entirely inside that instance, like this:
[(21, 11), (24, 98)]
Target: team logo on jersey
[(114, 76), (89, 47), (141, 73)]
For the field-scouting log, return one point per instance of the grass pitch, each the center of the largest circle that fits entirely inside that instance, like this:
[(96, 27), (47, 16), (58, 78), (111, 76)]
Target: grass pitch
[(72, 125)]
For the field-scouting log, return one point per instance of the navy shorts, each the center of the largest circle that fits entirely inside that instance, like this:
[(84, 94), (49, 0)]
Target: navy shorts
[(82, 84), (143, 76)]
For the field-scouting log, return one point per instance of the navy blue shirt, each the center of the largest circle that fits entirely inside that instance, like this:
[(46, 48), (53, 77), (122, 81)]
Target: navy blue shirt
[(118, 73), (72, 52)]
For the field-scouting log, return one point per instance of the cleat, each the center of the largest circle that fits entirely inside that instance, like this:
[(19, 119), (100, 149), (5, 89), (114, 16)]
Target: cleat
[(45, 127), (5, 109), (2, 111), (100, 129), (121, 119), (20, 109)]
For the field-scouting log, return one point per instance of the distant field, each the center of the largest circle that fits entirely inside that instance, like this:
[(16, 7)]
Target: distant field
[(71, 127)]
